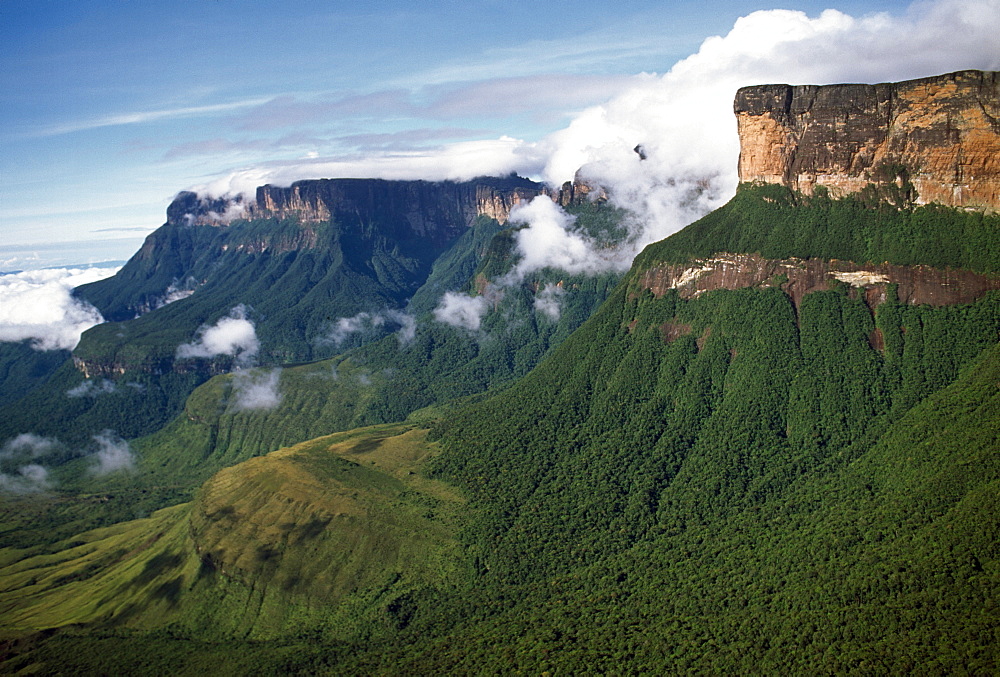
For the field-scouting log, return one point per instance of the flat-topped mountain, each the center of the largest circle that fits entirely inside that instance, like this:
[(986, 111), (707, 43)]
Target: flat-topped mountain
[(935, 139)]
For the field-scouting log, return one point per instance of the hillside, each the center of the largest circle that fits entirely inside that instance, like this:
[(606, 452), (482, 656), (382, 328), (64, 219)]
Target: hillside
[(290, 282)]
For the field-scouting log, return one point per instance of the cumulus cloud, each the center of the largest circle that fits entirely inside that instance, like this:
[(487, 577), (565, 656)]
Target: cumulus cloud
[(233, 335), (256, 390), (684, 119), (365, 323), (550, 240), (462, 310), (113, 454), (39, 306)]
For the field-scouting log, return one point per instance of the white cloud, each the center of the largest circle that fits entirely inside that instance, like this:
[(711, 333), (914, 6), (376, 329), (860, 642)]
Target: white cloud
[(28, 446), (113, 454), (28, 479), (461, 310), (685, 122), (547, 301), (458, 161), (39, 305), (141, 117), (233, 335), (683, 118), (343, 328), (19, 455), (256, 390), (407, 327), (550, 240), (92, 388)]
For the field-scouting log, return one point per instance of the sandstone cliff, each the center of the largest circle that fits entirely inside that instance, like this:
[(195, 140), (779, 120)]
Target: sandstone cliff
[(935, 139), (420, 207), (423, 208)]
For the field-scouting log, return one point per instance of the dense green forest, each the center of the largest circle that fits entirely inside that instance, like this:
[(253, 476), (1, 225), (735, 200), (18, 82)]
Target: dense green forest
[(730, 484), (778, 223)]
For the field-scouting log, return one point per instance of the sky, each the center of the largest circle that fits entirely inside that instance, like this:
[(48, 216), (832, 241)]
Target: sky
[(108, 109)]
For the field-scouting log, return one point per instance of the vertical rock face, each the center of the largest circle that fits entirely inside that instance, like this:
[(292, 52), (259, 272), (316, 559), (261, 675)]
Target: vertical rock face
[(423, 208), (438, 210), (934, 139)]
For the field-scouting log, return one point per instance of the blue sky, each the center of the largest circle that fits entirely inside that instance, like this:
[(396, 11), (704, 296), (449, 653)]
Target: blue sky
[(107, 109)]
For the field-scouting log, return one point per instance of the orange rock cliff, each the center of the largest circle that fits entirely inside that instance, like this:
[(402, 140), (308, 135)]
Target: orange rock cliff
[(935, 139)]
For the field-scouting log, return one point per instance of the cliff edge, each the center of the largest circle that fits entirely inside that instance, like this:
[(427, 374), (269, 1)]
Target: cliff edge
[(935, 139)]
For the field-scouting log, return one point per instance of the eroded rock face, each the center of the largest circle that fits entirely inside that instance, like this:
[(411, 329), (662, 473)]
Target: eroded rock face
[(423, 208), (798, 277), (939, 136)]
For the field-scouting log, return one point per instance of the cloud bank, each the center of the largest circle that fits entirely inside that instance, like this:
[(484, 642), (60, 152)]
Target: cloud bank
[(233, 335), (39, 306), (684, 119)]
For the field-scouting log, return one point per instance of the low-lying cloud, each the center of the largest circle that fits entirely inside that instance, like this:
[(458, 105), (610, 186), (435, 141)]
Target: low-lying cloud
[(27, 479), (462, 310), (39, 306), (551, 240), (113, 454), (94, 388), (22, 472), (256, 390), (367, 324), (234, 336), (547, 301), (684, 119)]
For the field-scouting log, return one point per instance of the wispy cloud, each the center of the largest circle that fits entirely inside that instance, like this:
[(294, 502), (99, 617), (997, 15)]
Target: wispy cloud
[(140, 117)]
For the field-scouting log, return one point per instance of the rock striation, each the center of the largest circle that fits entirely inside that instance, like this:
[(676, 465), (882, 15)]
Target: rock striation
[(935, 139)]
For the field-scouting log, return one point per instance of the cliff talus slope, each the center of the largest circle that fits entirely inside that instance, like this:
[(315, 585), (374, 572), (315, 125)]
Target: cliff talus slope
[(935, 139)]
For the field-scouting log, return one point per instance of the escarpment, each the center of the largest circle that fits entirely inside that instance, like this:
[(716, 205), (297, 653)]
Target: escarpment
[(935, 139), (798, 277), (438, 210)]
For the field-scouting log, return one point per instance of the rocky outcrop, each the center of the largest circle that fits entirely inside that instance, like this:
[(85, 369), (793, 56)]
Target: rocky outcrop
[(576, 192), (798, 277), (935, 139)]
